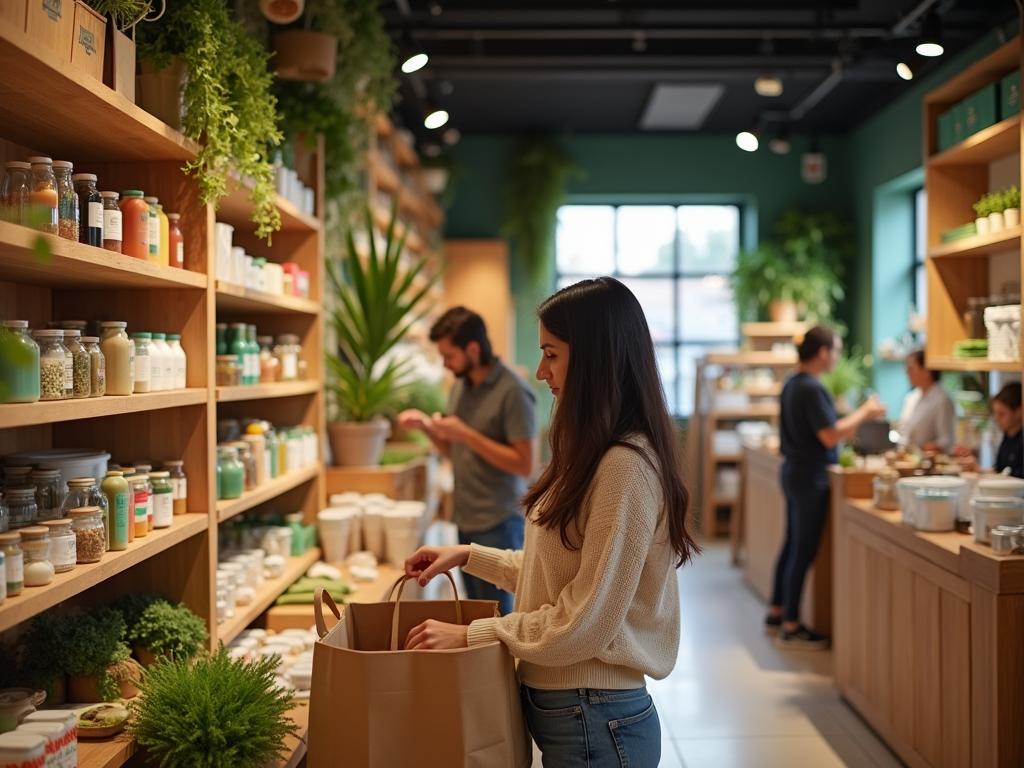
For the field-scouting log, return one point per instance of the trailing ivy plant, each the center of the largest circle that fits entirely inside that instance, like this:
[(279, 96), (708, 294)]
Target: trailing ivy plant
[(212, 712), (536, 187), (229, 107)]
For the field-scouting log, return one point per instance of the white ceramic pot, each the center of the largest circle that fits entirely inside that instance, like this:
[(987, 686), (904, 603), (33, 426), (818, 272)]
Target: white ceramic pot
[(996, 222), (990, 511), (935, 510), (1000, 486), (1011, 217), (982, 224), (906, 488)]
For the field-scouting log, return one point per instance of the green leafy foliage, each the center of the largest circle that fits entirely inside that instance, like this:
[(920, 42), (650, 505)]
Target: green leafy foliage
[(804, 263), (125, 13), (997, 202), (168, 630), (132, 605), (536, 187), (377, 303), (849, 377), (1011, 197), (229, 107), (212, 712)]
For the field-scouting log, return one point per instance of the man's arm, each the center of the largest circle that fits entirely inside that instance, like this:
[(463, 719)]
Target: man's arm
[(519, 458), (832, 435)]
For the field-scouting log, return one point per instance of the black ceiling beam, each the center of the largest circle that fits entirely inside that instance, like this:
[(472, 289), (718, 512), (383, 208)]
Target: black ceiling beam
[(721, 33)]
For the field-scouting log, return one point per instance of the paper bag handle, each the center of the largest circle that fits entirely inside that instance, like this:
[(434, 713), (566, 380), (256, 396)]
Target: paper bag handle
[(400, 584), (321, 596)]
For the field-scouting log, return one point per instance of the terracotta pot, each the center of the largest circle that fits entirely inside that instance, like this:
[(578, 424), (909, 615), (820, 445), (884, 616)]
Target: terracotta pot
[(358, 443), (305, 56), (782, 311), (161, 93), (145, 656), (84, 689)]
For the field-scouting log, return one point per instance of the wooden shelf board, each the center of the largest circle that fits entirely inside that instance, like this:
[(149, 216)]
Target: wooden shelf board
[(38, 92), (990, 144), (45, 412), (235, 298), (772, 330), (724, 501), (294, 746), (751, 411), (979, 245), (266, 595), (763, 359), (382, 219), (228, 508), (727, 458), (235, 209), (73, 265), (33, 600), (111, 752), (267, 391), (975, 364)]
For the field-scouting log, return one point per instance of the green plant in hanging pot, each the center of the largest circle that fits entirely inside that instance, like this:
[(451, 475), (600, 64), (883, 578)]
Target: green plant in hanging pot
[(376, 303), (165, 630), (212, 712)]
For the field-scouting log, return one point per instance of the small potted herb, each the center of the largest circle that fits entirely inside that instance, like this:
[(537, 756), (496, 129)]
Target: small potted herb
[(165, 630), (982, 209), (1011, 203)]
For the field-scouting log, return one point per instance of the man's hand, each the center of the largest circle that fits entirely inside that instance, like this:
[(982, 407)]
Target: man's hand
[(414, 419), (433, 634), (450, 428)]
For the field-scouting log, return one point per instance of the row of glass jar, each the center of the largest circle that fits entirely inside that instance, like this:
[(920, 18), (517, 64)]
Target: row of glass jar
[(47, 196), (245, 359), (249, 531), (262, 454)]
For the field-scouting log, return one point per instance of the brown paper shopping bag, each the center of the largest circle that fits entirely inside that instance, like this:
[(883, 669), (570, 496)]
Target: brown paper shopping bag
[(373, 705)]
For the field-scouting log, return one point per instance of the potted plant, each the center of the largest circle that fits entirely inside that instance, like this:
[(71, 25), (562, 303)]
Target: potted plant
[(982, 209), (212, 711), (225, 101), (997, 204), (846, 381), (1011, 209), (376, 303), (167, 631)]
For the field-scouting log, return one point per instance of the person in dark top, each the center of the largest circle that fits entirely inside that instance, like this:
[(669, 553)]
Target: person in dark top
[(808, 434), (1006, 412)]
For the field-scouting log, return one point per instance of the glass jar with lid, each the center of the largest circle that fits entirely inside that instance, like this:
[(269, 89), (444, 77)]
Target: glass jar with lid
[(90, 533), (112, 218), (179, 484), (85, 492), (21, 507), (67, 201), (19, 362), (232, 473), (248, 459), (49, 493), (143, 343), (97, 366), (162, 500), (14, 562), (287, 352), (142, 493), (229, 371), (175, 241), (56, 366), (5, 518), (43, 196), (90, 209), (17, 477), (81, 364), (15, 191), (64, 546), (119, 352), (270, 366), (36, 544), (134, 224)]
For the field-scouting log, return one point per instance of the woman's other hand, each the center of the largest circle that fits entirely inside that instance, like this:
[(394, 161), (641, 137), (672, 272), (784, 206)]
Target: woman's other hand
[(427, 562), (434, 635)]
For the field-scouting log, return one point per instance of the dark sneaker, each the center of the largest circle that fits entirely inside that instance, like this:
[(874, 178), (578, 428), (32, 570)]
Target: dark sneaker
[(802, 639), (772, 624)]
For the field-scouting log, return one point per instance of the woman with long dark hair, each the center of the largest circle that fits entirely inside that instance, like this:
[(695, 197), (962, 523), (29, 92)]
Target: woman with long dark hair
[(596, 594)]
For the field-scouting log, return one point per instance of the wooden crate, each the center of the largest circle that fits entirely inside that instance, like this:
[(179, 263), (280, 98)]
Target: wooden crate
[(396, 481), (49, 23), (88, 42)]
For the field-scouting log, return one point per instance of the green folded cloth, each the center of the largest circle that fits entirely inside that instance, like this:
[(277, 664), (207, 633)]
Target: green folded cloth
[(303, 598), (305, 584)]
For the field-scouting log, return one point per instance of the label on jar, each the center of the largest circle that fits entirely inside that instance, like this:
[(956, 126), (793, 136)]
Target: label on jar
[(163, 509), (120, 519), (180, 254), (112, 224), (289, 366), (96, 215), (142, 502), (15, 569), (179, 488), (154, 236), (142, 368), (69, 372), (64, 552)]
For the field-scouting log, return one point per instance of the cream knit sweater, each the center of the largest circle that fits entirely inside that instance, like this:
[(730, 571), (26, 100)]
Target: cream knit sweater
[(601, 616)]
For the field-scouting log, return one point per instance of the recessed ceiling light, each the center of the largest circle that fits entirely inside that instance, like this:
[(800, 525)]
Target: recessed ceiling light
[(747, 141), (415, 63), (769, 85), (903, 70), (434, 117)]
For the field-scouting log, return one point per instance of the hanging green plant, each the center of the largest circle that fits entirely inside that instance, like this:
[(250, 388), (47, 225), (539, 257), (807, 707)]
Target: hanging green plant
[(536, 188)]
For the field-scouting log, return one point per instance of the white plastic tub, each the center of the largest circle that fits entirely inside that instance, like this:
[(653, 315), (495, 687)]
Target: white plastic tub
[(71, 462), (334, 525), (401, 534)]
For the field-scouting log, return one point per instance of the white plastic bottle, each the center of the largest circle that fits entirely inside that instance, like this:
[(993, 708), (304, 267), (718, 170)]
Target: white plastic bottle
[(180, 360), (167, 372), (156, 366)]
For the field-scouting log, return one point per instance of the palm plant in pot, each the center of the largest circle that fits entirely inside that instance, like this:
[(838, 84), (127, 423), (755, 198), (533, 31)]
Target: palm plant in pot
[(377, 300)]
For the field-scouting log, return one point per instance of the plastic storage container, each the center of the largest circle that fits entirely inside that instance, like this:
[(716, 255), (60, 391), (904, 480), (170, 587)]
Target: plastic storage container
[(143, 362), (63, 553), (36, 544), (119, 351), (134, 224)]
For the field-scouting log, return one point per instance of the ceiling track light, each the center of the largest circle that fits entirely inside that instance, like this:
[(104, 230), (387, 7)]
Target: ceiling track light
[(747, 140), (433, 116), (780, 145), (413, 59), (905, 71), (929, 41), (768, 85)]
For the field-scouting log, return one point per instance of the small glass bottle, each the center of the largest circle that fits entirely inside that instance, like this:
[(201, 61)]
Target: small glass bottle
[(90, 209), (162, 500), (64, 546), (248, 460), (175, 241), (43, 197), (270, 366), (254, 354), (14, 195), (165, 237), (179, 484), (19, 363), (90, 534), (85, 492), (179, 361), (112, 222), (287, 351), (128, 473), (49, 493), (153, 237), (119, 351), (67, 201), (14, 562), (238, 345), (81, 364), (36, 544), (232, 473), (134, 224), (56, 366), (97, 366), (143, 369), (142, 492), (116, 490)]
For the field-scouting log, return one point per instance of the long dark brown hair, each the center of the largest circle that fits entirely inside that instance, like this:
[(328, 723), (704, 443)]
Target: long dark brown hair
[(611, 391)]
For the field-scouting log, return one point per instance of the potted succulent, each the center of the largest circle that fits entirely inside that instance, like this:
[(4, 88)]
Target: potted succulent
[(212, 711), (164, 630), (376, 303)]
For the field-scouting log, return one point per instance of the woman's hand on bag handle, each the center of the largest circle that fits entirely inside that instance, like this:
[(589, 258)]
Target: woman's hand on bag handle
[(434, 635), (428, 562)]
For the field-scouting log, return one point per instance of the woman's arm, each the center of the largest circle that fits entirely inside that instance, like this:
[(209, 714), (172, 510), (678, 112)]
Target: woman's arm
[(869, 410)]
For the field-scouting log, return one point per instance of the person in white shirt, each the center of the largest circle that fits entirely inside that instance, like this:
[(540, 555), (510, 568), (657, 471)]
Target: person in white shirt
[(928, 418)]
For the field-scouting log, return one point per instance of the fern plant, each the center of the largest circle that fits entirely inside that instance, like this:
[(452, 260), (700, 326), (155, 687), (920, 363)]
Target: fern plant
[(124, 13), (212, 712), (168, 630)]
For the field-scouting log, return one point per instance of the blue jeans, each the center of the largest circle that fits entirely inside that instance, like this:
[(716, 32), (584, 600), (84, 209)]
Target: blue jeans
[(506, 535), (587, 728)]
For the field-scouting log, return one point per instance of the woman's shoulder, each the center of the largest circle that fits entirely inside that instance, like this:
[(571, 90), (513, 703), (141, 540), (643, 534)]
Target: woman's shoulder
[(633, 455)]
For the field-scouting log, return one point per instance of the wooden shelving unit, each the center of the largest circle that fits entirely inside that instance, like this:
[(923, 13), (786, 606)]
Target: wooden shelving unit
[(955, 179), (27, 414), (268, 391), (228, 508), (235, 298)]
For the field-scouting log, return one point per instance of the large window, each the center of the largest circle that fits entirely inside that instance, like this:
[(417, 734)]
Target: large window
[(676, 260)]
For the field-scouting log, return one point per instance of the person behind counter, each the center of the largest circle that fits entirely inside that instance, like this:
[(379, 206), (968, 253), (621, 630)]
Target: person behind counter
[(928, 419), (809, 433), (1006, 412)]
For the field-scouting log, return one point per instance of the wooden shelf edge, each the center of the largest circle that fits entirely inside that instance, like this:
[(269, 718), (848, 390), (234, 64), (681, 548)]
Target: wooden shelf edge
[(979, 245), (231, 296), (772, 330), (266, 595), (235, 209), (751, 411), (268, 391), (111, 752), (763, 359), (997, 140), (973, 364), (228, 508), (50, 411), (34, 600)]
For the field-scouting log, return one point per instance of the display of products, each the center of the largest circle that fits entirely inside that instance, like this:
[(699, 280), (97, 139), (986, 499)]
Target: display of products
[(153, 230), (270, 366), (179, 485), (143, 368), (43, 196), (67, 201), (229, 371), (36, 544), (97, 366), (64, 545), (19, 363), (142, 493), (287, 351), (134, 224), (175, 241), (119, 351), (163, 254), (90, 533), (116, 490), (14, 194), (162, 500), (81, 364), (85, 492), (113, 230), (90, 209), (179, 361), (238, 345), (49, 493), (166, 361), (14, 562), (231, 473), (56, 366)]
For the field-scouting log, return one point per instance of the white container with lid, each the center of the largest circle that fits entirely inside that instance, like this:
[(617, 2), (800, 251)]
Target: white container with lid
[(22, 749), (70, 738), (935, 509), (15, 703), (54, 733), (1000, 486), (990, 511)]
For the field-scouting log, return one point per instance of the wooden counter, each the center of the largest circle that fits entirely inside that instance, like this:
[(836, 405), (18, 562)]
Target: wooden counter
[(929, 638)]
